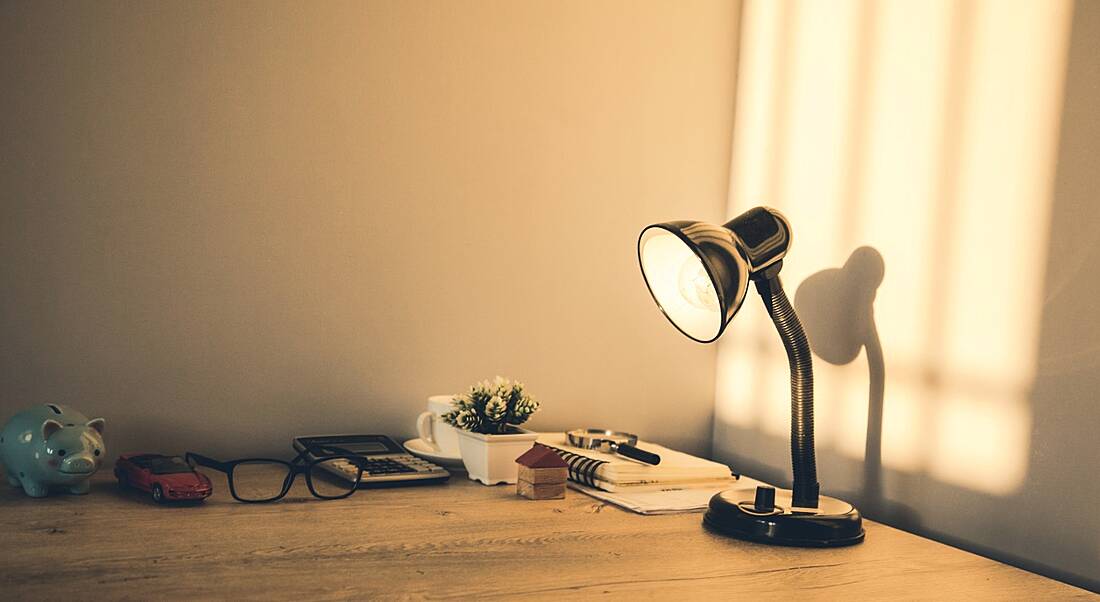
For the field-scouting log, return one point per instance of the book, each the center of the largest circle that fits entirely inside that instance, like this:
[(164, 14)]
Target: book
[(612, 472)]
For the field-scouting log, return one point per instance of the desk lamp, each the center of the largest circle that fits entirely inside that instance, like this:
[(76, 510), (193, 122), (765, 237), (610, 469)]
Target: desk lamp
[(698, 274)]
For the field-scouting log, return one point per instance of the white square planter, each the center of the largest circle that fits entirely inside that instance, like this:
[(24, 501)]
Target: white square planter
[(491, 459)]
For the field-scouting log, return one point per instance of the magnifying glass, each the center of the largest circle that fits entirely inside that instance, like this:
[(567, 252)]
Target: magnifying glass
[(612, 442)]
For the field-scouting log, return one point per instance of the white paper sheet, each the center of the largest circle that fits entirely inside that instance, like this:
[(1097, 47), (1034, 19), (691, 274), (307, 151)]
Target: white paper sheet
[(672, 500)]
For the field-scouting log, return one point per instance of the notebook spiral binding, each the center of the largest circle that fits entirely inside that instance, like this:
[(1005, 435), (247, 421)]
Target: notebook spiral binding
[(581, 469)]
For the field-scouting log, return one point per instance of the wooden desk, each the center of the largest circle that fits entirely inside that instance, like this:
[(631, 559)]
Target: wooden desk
[(456, 540)]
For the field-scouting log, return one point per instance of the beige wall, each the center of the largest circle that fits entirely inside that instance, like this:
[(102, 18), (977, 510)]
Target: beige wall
[(939, 163), (224, 224)]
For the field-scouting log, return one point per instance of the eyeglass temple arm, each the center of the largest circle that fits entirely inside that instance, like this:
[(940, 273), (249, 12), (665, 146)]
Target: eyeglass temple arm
[(202, 460)]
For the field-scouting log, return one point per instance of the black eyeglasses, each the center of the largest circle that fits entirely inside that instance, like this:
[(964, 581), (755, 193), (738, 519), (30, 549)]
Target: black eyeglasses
[(329, 476)]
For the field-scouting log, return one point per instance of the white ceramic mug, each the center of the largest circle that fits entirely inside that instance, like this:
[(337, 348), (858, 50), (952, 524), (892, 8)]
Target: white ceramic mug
[(433, 430)]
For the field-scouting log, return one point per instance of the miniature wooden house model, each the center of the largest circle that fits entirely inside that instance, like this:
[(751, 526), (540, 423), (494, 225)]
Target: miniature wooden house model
[(542, 474)]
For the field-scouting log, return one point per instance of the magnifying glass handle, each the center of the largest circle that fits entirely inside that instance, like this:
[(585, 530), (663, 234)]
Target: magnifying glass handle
[(640, 455)]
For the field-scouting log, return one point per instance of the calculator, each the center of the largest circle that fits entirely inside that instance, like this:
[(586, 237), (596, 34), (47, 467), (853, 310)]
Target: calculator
[(387, 463)]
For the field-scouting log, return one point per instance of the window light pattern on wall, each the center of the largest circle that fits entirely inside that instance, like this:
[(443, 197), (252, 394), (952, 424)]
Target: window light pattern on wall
[(927, 131)]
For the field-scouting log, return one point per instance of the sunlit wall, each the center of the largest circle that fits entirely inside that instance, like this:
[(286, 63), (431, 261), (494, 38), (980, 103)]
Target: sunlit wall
[(928, 132)]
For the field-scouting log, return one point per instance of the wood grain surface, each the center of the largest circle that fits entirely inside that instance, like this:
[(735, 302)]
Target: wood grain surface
[(459, 540)]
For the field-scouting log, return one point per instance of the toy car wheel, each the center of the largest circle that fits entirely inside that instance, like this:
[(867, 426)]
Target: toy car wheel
[(123, 482), (158, 494)]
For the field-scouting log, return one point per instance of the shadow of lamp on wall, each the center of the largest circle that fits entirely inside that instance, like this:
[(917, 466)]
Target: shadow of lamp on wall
[(837, 307), (698, 274)]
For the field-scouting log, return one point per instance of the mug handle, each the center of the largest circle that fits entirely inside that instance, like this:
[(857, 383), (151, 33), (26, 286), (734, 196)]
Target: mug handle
[(424, 428)]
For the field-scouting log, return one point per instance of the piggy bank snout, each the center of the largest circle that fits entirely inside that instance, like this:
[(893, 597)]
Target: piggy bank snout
[(77, 465)]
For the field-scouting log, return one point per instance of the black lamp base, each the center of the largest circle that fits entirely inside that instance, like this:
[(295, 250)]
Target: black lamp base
[(833, 523)]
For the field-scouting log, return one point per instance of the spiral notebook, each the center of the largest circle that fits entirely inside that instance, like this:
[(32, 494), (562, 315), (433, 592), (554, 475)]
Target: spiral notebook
[(612, 472)]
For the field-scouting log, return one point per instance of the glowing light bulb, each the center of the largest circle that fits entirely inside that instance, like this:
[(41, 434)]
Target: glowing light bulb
[(695, 285)]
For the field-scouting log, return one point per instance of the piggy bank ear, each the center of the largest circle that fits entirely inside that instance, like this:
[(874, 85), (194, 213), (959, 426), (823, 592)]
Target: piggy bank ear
[(50, 427), (97, 424)]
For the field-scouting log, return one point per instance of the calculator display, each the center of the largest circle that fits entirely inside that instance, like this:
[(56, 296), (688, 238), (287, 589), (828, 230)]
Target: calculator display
[(366, 445), (366, 448)]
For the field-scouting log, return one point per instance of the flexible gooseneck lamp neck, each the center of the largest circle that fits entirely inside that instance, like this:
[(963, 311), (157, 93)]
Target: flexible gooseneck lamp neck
[(764, 236), (803, 459)]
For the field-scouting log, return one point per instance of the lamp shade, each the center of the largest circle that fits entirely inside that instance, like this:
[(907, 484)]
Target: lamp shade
[(697, 273)]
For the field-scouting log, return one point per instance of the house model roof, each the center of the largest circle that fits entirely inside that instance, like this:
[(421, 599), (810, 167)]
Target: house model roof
[(541, 456)]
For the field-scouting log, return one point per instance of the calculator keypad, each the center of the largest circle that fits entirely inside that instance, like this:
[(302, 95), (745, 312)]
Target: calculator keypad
[(386, 466)]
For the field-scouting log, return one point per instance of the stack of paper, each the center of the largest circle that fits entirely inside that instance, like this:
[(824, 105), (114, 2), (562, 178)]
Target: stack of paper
[(673, 500)]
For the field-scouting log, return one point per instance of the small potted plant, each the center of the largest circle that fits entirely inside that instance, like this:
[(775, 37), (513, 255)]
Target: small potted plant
[(487, 418)]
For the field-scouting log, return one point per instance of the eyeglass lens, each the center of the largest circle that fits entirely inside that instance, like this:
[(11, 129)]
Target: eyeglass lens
[(258, 480), (334, 478)]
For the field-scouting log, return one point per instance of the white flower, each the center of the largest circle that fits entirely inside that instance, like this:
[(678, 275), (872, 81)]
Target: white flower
[(526, 406), (468, 419), (496, 409)]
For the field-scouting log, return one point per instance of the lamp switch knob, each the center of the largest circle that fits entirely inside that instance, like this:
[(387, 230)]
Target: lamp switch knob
[(765, 499)]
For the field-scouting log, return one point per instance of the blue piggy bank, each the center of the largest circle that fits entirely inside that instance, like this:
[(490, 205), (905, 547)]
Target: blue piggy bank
[(51, 446)]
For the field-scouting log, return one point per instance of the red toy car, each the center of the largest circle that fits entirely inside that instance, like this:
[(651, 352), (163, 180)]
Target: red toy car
[(167, 478)]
